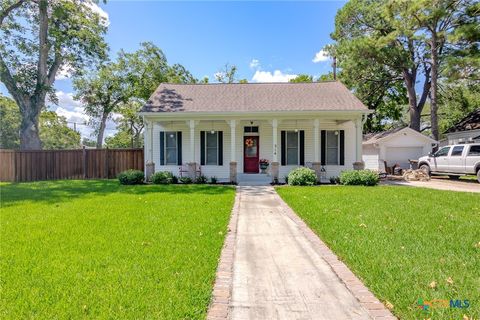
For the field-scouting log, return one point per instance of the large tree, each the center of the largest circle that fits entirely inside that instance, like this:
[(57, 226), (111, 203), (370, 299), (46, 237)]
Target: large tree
[(129, 126), (101, 92), (435, 23), (37, 39), (378, 59)]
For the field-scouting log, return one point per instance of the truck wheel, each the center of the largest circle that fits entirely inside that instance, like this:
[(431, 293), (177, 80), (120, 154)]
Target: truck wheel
[(453, 177), (425, 168)]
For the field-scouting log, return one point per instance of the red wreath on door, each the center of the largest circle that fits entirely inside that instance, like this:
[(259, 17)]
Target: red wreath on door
[(249, 142)]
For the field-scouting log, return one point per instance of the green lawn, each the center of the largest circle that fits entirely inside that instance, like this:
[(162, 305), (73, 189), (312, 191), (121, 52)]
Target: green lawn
[(94, 249), (399, 240)]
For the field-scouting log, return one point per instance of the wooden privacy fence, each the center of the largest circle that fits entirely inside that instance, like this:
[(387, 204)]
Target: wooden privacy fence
[(18, 165)]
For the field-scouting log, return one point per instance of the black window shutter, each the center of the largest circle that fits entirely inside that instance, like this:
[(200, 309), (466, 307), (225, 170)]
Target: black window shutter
[(162, 148), (202, 148), (323, 146), (179, 148), (342, 147), (302, 147), (283, 149), (220, 148)]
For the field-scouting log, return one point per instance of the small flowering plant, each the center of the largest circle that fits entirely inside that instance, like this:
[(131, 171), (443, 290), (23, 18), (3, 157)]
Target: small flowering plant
[(264, 162)]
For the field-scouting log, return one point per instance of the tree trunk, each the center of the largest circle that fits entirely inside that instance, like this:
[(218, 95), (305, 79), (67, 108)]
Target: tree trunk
[(433, 92), (412, 100), (29, 132), (101, 130)]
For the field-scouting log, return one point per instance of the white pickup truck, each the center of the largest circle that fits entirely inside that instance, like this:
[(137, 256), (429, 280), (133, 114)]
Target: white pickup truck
[(454, 161)]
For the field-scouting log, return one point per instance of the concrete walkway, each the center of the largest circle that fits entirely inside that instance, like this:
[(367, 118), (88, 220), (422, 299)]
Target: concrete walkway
[(440, 184), (280, 273)]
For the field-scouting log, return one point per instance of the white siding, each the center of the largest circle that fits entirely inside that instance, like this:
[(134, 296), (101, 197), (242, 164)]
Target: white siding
[(265, 141), (462, 136), (371, 157)]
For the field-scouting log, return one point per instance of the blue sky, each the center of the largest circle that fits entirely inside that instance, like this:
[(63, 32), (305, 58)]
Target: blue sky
[(267, 41)]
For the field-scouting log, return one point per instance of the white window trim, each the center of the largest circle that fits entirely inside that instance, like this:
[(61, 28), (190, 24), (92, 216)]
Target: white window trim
[(327, 147), (167, 133), (206, 148), (298, 147)]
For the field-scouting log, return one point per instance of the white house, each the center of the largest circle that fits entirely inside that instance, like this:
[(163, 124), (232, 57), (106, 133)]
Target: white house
[(225, 129), (466, 130), (395, 146)]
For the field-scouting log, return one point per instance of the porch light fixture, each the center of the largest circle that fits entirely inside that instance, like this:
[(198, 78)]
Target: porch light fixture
[(212, 131), (296, 125), (336, 132), (171, 135)]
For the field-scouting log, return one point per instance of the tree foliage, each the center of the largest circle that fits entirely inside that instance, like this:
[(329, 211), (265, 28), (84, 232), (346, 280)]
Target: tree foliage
[(101, 92), (302, 78), (54, 131), (226, 74), (37, 38), (9, 124), (379, 63)]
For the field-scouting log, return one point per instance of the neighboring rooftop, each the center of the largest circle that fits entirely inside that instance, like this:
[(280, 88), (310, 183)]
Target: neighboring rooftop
[(470, 122), (245, 97), (375, 137)]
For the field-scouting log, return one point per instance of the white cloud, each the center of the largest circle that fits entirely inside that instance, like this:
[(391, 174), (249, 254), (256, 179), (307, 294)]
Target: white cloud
[(276, 76), (320, 56), (65, 72), (254, 64), (98, 10)]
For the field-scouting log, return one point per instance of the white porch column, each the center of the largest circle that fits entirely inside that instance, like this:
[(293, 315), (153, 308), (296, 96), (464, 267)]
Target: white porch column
[(359, 139), (149, 164), (316, 140), (233, 151), (191, 124), (233, 133), (274, 140)]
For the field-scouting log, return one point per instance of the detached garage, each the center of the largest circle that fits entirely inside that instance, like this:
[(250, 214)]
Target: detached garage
[(395, 146)]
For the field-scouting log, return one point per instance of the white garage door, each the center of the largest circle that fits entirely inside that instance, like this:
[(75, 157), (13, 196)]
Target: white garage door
[(401, 155)]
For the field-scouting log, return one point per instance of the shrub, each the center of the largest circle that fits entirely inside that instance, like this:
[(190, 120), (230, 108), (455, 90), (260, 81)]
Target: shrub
[(302, 177), (213, 180), (185, 180), (131, 177), (201, 179), (163, 177), (359, 178)]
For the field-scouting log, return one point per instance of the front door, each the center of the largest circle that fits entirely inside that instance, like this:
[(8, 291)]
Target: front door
[(250, 154)]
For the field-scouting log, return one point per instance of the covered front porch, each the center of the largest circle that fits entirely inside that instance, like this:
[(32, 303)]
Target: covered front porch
[(229, 147)]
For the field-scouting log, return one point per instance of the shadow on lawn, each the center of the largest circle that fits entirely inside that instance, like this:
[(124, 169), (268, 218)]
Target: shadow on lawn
[(66, 190)]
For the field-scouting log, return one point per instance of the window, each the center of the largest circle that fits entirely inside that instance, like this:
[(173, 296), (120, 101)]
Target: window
[(332, 147), (292, 148), (250, 129), (457, 151), (211, 146), (442, 152), (170, 148), (474, 151)]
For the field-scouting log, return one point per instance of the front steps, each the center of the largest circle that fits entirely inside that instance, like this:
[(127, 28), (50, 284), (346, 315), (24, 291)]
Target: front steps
[(253, 179)]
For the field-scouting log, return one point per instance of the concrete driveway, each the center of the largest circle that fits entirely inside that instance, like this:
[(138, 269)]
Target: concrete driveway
[(440, 184), (280, 272)]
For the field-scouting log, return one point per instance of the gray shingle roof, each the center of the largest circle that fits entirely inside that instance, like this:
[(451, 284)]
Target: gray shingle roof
[(239, 97), (470, 122), (373, 137)]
